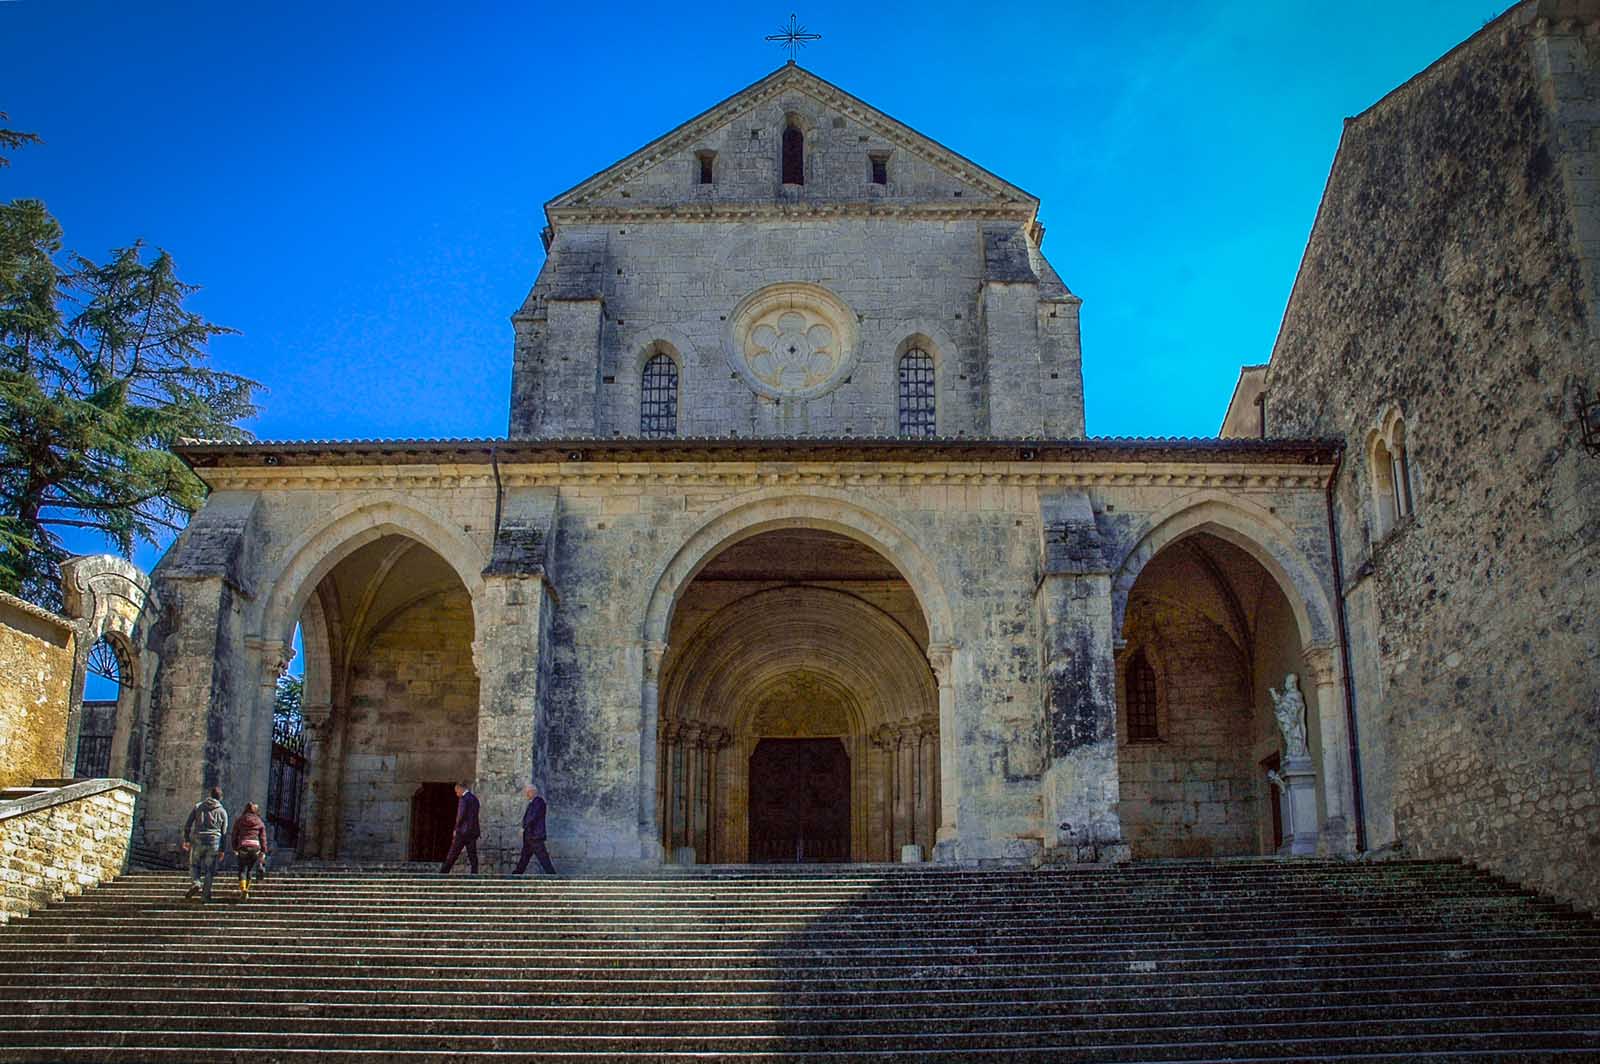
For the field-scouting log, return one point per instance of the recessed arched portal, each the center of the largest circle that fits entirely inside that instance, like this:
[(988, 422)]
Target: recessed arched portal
[(799, 713), (1208, 633), (392, 697)]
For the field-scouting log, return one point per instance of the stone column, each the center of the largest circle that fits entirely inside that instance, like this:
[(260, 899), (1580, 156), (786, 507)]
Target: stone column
[(1327, 694), (1081, 790), (272, 659), (942, 657), (928, 751), (322, 780), (512, 659), (883, 741), (650, 848)]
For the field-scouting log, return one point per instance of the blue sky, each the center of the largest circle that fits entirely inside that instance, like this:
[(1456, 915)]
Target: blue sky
[(359, 187)]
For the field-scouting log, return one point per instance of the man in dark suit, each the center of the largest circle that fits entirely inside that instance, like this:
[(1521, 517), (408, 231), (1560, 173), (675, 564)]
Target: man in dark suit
[(533, 833), (466, 831)]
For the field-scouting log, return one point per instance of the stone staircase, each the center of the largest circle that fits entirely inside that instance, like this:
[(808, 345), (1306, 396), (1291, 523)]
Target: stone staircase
[(1224, 960)]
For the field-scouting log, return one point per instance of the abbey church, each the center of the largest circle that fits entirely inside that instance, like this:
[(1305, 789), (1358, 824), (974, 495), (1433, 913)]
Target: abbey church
[(796, 549)]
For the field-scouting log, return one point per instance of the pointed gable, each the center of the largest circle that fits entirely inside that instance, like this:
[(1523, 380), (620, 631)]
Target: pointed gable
[(855, 158)]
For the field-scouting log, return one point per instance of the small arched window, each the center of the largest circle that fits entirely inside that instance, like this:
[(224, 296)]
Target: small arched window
[(1143, 715), (917, 398), (794, 155), (1392, 476), (658, 407)]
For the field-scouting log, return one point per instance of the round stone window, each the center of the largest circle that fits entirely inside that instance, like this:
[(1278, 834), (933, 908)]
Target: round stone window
[(792, 341)]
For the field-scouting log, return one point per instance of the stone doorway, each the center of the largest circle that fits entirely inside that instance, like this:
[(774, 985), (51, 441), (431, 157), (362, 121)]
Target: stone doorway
[(433, 819), (799, 802), (797, 655)]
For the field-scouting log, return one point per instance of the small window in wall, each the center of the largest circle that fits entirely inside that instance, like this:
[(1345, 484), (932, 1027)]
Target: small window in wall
[(880, 169), (707, 166), (917, 401), (794, 155), (658, 407), (1392, 476), (1140, 685)]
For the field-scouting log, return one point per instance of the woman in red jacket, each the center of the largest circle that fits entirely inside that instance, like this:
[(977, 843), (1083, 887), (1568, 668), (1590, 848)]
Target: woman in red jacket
[(249, 844)]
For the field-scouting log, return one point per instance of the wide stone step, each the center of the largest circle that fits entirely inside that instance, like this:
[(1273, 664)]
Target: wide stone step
[(1193, 1043), (1250, 960)]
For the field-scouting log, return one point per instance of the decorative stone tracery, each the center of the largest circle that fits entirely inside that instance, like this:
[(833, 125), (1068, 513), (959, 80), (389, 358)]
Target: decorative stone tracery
[(792, 341)]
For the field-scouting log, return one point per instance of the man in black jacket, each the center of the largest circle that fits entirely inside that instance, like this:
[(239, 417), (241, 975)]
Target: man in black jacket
[(466, 831), (533, 833)]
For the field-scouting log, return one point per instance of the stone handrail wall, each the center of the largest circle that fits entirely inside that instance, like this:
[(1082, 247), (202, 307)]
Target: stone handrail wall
[(62, 841)]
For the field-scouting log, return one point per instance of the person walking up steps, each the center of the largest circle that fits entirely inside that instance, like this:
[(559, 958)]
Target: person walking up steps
[(249, 845), (533, 833), (204, 834), (466, 832)]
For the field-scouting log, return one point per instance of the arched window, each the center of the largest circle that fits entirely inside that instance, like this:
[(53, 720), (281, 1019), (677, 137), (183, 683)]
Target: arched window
[(1140, 684), (794, 155), (1392, 476), (917, 401), (658, 406)]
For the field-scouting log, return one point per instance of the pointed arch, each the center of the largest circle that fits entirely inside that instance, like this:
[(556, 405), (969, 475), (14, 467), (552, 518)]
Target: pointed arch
[(1247, 526), (820, 508), (314, 553)]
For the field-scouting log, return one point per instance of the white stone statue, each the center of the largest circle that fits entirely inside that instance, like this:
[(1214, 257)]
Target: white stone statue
[(1290, 709)]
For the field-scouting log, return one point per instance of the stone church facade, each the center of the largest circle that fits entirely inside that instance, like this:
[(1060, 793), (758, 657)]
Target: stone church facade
[(796, 550)]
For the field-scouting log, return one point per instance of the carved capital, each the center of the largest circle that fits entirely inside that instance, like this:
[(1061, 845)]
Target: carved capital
[(941, 656), (273, 655), (1321, 663), (654, 653)]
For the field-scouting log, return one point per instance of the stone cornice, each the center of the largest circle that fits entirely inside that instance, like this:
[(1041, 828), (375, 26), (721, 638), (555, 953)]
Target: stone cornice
[(587, 450), (779, 211), (751, 475)]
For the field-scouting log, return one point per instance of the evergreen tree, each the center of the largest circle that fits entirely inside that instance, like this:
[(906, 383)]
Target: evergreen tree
[(101, 369)]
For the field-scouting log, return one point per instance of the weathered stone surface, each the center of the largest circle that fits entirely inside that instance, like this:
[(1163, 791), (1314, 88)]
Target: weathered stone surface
[(36, 655), (60, 842), (1450, 282)]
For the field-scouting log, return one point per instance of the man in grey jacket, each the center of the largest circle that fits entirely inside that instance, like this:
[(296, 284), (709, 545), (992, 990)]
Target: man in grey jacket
[(203, 835)]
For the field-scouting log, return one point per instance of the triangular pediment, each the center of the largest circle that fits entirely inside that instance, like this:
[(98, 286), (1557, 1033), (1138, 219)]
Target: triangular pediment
[(742, 136)]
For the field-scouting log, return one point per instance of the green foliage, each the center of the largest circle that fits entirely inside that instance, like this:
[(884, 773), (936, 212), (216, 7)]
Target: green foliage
[(102, 368), (289, 698), (10, 140)]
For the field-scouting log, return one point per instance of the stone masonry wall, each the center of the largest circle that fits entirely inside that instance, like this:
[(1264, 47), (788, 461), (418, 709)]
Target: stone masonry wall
[(617, 527), (36, 650), (413, 719), (1443, 281), (1193, 793), (62, 842)]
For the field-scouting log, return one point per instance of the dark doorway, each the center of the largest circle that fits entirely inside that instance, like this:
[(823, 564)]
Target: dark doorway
[(433, 818), (799, 801), (1275, 797)]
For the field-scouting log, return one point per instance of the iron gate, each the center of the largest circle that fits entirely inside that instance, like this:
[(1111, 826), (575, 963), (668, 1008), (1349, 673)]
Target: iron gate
[(286, 781)]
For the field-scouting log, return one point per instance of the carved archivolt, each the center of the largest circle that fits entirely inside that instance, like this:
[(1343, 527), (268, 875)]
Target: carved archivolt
[(792, 340)]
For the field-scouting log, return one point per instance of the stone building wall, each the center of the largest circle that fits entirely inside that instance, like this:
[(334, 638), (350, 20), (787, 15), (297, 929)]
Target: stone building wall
[(413, 719), (645, 260), (1193, 793), (36, 662), (572, 616), (59, 843), (1449, 281)]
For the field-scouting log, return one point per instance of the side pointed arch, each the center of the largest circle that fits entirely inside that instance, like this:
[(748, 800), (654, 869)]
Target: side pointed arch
[(314, 553), (1247, 526)]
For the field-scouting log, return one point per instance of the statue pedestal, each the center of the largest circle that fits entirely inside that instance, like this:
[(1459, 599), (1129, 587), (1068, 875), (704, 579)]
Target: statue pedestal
[(1299, 808), (911, 853)]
